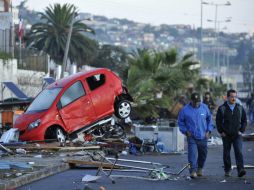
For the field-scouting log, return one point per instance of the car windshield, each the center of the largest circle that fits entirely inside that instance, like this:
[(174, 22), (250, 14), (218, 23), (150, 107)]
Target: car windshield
[(44, 100)]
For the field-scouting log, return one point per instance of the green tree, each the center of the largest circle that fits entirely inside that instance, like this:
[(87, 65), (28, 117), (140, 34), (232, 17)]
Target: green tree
[(113, 58), (50, 35), (155, 78)]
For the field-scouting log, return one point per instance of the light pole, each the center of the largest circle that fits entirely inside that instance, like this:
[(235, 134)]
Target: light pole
[(216, 43), (201, 33), (215, 27)]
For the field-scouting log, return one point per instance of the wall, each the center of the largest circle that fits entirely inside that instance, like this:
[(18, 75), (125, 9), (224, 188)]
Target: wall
[(30, 82)]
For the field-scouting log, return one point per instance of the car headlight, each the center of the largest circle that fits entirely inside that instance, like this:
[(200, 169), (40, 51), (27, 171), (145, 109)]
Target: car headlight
[(34, 124)]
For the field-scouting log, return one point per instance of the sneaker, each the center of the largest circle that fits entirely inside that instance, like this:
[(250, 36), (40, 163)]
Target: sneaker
[(228, 174), (193, 174), (200, 172), (241, 173)]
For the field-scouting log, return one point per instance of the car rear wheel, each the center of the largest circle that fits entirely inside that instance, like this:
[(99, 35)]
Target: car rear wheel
[(123, 109)]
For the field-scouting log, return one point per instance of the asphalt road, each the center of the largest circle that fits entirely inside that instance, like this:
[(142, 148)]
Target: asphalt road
[(213, 175)]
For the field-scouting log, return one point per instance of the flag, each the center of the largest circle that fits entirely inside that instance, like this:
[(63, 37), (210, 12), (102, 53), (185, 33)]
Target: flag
[(21, 29)]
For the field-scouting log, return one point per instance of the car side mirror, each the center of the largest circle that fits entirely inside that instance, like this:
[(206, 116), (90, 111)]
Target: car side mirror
[(59, 105)]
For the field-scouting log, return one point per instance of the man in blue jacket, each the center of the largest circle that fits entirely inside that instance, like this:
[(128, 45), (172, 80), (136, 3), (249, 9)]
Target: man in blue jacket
[(195, 121)]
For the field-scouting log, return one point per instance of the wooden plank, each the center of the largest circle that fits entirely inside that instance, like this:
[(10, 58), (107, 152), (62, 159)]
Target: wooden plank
[(56, 148), (92, 163)]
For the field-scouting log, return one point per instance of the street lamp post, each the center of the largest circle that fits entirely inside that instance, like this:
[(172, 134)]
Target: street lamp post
[(217, 5), (201, 32), (216, 42)]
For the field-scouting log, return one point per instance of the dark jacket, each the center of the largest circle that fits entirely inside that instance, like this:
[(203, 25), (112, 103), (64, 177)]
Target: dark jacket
[(231, 122)]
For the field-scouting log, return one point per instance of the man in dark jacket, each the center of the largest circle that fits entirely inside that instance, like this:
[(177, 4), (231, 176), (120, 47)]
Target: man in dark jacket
[(231, 122)]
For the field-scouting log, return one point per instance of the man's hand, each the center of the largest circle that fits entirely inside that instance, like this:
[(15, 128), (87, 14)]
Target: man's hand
[(222, 134), (207, 135), (240, 133), (188, 134)]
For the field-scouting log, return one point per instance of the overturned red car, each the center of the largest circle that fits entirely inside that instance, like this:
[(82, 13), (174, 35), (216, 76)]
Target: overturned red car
[(75, 103)]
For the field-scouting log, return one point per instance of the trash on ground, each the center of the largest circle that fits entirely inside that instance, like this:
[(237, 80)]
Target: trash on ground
[(12, 135), (248, 137), (215, 141), (89, 178)]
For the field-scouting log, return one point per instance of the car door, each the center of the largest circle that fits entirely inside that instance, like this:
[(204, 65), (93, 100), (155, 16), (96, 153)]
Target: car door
[(101, 94), (76, 107)]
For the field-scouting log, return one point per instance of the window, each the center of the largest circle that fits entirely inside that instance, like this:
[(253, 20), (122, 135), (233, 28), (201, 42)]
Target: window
[(95, 81), (44, 100), (72, 93)]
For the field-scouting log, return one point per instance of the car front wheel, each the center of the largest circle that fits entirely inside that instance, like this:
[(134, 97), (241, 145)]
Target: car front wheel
[(60, 136), (123, 109)]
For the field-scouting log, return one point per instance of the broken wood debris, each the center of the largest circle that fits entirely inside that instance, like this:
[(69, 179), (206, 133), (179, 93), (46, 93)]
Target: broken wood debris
[(73, 163), (6, 149)]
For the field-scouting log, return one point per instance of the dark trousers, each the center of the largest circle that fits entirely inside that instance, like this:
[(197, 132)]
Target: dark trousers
[(237, 145)]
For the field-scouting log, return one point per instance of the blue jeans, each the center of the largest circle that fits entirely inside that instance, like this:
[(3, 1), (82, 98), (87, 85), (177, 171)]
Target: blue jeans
[(237, 145), (197, 152)]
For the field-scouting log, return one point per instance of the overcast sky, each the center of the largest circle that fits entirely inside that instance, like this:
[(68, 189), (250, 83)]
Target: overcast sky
[(158, 12)]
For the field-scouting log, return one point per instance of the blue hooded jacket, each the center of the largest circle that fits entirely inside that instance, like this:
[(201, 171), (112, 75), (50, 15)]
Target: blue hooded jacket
[(197, 121)]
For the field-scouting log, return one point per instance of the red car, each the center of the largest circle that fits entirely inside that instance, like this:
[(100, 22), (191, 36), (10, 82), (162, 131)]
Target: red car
[(75, 103)]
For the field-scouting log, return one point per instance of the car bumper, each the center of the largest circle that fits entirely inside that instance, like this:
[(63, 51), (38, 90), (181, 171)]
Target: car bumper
[(31, 135)]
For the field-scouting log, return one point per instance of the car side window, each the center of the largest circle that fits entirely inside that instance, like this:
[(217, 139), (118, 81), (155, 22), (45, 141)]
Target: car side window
[(74, 92), (95, 81)]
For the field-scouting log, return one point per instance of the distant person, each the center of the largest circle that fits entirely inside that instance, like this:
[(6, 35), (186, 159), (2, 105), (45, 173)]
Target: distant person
[(250, 107), (231, 122), (180, 103), (209, 102), (195, 121)]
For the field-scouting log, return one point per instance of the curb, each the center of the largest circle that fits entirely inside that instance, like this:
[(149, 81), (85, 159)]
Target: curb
[(28, 178)]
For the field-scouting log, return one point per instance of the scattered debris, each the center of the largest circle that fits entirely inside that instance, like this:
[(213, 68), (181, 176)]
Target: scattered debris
[(248, 137), (90, 178), (21, 151), (14, 165), (102, 188), (12, 135), (246, 182), (245, 167), (215, 141), (6, 149)]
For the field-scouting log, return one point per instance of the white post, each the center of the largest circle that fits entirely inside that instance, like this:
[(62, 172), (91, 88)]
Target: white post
[(201, 36), (67, 45), (20, 48)]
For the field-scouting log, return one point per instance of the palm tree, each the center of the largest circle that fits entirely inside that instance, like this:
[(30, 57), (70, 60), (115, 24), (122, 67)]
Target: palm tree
[(155, 78), (50, 35)]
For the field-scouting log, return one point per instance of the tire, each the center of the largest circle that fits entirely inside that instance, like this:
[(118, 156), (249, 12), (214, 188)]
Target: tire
[(118, 131), (60, 135), (123, 109)]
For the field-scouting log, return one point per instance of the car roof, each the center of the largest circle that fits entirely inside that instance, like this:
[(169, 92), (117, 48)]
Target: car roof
[(64, 81)]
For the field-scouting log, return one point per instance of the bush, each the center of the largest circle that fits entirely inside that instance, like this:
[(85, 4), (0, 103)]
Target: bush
[(5, 56)]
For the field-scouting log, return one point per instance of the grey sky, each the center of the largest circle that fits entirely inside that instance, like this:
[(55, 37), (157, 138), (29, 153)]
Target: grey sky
[(165, 11)]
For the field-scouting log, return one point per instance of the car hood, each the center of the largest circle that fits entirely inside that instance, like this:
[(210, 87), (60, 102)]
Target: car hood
[(23, 121)]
